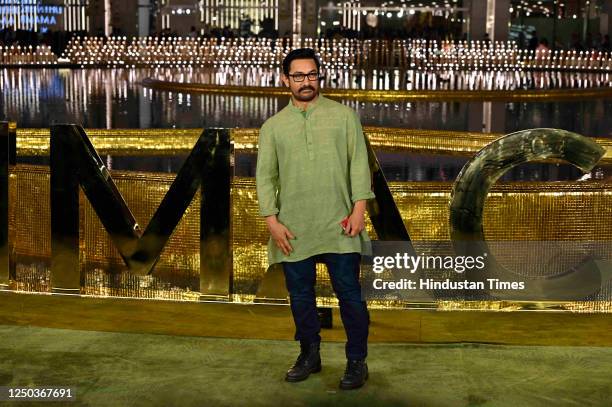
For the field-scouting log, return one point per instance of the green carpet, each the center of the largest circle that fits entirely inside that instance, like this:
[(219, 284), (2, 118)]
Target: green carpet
[(122, 369)]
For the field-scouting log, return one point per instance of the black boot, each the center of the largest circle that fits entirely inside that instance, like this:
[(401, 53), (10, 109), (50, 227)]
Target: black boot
[(309, 361), (355, 374)]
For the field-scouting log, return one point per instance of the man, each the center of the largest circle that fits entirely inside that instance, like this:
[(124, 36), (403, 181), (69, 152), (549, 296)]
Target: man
[(312, 173)]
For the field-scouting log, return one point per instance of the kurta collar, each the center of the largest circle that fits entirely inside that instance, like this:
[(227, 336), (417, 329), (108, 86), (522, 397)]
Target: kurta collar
[(311, 106)]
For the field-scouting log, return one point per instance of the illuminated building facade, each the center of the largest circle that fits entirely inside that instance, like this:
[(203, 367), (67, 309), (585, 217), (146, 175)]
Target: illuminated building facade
[(44, 15)]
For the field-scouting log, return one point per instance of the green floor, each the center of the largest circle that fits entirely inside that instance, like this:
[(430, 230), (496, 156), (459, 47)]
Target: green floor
[(119, 369)]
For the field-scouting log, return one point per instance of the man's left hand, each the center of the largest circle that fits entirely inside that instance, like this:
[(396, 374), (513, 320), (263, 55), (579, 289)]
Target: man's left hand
[(356, 221)]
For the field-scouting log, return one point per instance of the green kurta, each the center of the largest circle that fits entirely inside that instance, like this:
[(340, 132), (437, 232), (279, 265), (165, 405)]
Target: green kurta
[(312, 166)]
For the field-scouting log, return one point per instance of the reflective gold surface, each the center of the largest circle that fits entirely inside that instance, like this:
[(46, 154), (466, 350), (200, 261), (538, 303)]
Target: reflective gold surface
[(33, 142), (162, 142)]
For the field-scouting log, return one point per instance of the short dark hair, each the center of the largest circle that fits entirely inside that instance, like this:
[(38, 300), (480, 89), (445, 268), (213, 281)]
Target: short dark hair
[(300, 53)]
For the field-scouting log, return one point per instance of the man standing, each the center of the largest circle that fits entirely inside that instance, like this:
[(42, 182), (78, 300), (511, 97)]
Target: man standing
[(313, 173)]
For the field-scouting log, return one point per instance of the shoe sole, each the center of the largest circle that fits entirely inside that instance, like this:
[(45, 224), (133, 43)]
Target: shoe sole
[(293, 380), (346, 387)]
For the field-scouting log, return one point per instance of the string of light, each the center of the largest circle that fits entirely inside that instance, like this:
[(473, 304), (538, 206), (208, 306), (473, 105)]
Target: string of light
[(334, 53)]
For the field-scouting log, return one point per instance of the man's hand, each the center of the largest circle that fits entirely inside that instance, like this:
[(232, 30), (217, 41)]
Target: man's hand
[(356, 221), (280, 234)]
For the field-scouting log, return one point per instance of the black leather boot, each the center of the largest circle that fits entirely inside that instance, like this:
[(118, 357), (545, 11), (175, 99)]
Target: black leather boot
[(309, 361), (355, 374)]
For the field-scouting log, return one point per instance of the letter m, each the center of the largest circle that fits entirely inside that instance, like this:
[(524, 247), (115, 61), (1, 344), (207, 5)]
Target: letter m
[(75, 162)]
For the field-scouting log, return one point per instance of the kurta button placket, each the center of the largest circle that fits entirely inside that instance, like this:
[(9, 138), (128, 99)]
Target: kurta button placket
[(309, 146), (308, 134)]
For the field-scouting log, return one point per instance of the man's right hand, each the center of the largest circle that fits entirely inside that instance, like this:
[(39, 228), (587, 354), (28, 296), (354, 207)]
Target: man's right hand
[(280, 234)]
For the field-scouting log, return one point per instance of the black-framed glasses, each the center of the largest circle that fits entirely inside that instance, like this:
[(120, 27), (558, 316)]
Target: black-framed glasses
[(299, 77)]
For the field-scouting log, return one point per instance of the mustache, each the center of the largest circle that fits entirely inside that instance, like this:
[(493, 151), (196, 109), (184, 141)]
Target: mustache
[(307, 87)]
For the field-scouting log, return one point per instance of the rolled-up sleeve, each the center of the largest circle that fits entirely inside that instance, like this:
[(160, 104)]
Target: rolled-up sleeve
[(266, 175), (359, 169)]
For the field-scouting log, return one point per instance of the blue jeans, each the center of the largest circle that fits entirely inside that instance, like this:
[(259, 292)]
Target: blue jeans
[(300, 277)]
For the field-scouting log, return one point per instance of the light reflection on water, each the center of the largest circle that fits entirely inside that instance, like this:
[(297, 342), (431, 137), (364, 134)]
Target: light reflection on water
[(345, 79), (113, 98), (393, 79)]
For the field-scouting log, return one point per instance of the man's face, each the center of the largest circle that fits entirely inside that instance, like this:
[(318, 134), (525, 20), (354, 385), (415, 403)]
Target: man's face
[(307, 89)]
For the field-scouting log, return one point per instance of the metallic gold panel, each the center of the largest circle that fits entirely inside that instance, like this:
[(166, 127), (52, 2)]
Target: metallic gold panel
[(30, 223), (249, 237), (169, 142), (30, 212), (133, 142)]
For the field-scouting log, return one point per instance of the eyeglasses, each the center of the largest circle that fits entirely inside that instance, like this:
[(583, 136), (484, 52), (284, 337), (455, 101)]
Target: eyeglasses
[(299, 77)]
